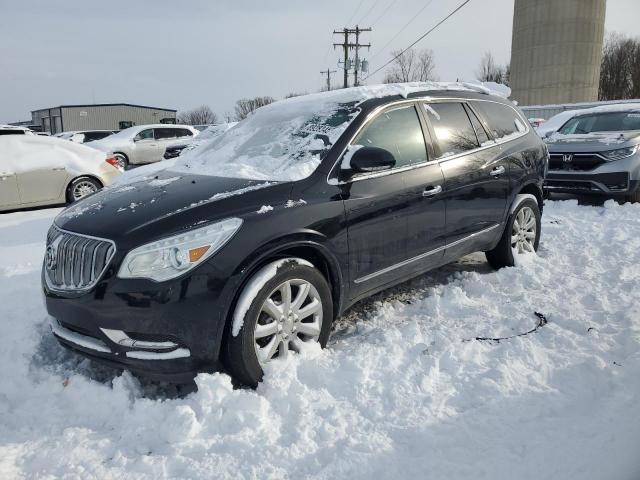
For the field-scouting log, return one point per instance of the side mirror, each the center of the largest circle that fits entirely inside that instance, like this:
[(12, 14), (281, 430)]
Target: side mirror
[(549, 133), (371, 159)]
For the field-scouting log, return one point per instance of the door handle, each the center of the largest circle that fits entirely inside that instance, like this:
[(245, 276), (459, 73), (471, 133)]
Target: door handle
[(58, 169), (432, 191), (497, 171)]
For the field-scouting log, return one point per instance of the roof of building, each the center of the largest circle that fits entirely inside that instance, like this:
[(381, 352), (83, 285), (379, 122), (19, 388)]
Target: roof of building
[(106, 105)]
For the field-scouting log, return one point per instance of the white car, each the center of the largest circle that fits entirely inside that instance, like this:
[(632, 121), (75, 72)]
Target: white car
[(85, 136), (144, 143), (14, 130), (37, 170)]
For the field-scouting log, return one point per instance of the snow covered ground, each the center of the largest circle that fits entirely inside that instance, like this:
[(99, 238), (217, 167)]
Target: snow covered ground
[(403, 391)]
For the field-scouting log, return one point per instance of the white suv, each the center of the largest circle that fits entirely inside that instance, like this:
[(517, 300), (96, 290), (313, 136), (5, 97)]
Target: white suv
[(144, 143)]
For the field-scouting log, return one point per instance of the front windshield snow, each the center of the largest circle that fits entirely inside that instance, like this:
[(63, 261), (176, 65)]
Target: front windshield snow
[(285, 141)]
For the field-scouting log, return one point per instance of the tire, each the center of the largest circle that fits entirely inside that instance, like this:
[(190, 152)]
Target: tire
[(244, 354), (506, 252), (81, 187), (122, 159)]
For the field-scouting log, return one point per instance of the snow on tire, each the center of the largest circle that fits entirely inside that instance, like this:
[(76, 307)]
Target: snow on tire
[(285, 306)]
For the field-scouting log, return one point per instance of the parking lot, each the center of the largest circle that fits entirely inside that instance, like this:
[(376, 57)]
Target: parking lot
[(405, 384)]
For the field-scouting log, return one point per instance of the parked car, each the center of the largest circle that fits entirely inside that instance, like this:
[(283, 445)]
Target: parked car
[(85, 136), (536, 122), (37, 170), (144, 143), (174, 151), (211, 132), (596, 152), (249, 246), (14, 130)]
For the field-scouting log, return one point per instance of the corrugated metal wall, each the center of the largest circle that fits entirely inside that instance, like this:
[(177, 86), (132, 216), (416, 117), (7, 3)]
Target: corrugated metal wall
[(109, 117)]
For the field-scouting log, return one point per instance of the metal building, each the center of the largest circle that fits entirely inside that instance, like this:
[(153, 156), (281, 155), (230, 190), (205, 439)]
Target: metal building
[(556, 51), (104, 116)]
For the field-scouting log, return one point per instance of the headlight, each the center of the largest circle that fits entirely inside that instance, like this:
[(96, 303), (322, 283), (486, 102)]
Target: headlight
[(167, 258), (620, 153)]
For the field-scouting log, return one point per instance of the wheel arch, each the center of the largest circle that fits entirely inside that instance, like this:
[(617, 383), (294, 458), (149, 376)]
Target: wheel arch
[(533, 189), (67, 190)]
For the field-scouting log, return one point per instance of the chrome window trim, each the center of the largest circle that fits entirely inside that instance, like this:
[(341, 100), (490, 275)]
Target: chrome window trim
[(423, 255), (332, 176), (94, 281)]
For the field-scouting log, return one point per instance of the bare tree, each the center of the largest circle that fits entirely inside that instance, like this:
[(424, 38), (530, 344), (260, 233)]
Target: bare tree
[(202, 115), (411, 67), (490, 71), (294, 94), (620, 68), (245, 106)]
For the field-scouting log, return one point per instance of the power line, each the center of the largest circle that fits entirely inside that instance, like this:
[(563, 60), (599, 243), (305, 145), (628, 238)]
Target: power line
[(393, 2), (421, 37), (402, 29), (353, 15), (369, 11)]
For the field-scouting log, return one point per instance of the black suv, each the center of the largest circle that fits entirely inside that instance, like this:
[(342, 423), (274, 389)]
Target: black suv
[(251, 245)]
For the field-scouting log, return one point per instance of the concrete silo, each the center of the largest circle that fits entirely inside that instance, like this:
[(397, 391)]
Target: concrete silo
[(556, 50)]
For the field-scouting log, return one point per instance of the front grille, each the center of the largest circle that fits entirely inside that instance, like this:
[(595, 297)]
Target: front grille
[(578, 162), (75, 262)]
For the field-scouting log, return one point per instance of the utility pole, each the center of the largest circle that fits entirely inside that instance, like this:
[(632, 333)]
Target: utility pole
[(328, 73), (346, 46), (357, 47)]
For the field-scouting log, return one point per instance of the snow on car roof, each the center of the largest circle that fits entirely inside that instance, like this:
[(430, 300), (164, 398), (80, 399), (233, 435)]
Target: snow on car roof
[(286, 140)]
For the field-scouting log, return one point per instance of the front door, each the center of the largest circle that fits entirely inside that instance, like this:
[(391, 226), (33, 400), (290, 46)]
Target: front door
[(476, 176), (147, 149), (380, 205)]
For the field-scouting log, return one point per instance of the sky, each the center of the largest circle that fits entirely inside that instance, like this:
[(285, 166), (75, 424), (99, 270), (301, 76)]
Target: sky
[(184, 54)]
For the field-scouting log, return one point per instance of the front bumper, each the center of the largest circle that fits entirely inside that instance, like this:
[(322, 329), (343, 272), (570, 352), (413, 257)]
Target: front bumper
[(609, 183), (168, 332)]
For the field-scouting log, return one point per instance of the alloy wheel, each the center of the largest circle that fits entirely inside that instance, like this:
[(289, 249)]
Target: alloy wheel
[(82, 189), (523, 232), (290, 317)]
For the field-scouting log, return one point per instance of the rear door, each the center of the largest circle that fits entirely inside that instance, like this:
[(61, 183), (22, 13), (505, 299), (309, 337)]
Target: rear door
[(9, 195), (475, 174), (41, 176), (379, 205)]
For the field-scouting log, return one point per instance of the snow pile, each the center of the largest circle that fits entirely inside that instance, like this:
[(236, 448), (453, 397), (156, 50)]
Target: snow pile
[(403, 390), (20, 153)]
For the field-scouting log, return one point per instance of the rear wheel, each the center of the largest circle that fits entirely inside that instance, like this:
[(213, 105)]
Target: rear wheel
[(284, 307), (123, 161), (520, 237), (81, 187)]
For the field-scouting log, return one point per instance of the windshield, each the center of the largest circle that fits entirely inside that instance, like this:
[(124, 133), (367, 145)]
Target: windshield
[(602, 122), (284, 141)]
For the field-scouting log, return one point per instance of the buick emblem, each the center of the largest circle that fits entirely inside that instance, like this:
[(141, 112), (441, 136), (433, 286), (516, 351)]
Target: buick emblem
[(567, 158), (50, 258)]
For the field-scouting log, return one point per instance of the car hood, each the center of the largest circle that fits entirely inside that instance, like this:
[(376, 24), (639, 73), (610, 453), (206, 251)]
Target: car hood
[(592, 142), (166, 203)]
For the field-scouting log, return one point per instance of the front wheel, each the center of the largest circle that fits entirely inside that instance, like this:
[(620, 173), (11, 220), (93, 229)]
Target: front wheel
[(521, 235), (284, 307)]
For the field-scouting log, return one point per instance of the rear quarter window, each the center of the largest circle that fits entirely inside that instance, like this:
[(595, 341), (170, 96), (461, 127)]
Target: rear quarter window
[(503, 120)]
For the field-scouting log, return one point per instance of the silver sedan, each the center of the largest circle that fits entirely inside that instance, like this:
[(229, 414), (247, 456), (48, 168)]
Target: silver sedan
[(37, 171)]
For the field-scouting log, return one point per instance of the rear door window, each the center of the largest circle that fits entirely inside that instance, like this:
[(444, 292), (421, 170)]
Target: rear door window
[(503, 120), (183, 132), (165, 133), (399, 132), (453, 130)]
